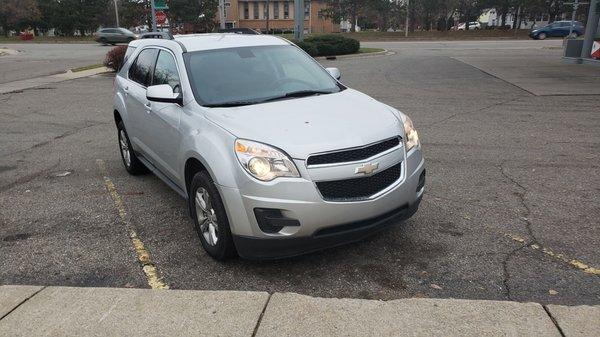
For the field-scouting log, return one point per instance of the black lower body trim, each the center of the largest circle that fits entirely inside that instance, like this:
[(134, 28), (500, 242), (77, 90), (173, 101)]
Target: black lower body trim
[(274, 248)]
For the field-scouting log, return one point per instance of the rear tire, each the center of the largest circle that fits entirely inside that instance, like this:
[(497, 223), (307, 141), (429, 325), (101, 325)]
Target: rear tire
[(210, 219), (131, 162)]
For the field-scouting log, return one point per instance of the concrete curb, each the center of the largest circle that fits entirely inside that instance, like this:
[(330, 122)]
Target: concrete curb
[(33, 310), (379, 53), (20, 85), (6, 51)]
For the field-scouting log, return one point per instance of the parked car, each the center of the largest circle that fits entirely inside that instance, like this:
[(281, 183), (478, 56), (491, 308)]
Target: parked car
[(156, 35), (274, 155), (474, 25), (114, 35), (240, 30), (557, 29)]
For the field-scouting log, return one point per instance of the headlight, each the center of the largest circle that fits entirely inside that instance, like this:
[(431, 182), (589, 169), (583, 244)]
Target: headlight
[(264, 162), (410, 134)]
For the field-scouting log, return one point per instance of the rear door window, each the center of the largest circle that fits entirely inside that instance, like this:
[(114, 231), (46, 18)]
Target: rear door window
[(141, 70)]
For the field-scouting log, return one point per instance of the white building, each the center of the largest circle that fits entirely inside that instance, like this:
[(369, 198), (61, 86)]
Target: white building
[(491, 17)]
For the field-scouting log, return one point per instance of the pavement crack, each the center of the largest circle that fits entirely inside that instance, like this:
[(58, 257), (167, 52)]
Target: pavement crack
[(521, 196), (554, 321), (260, 317), (469, 112), (506, 272), (22, 302), (525, 219), (62, 135)]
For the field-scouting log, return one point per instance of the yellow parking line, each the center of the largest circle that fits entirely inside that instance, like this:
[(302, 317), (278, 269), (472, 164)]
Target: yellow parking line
[(143, 255), (560, 257)]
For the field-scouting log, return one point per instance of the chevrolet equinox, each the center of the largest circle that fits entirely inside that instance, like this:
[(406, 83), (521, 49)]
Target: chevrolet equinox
[(274, 155)]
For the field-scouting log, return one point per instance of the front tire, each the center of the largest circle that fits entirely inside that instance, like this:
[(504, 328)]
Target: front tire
[(131, 162), (210, 219), (541, 36)]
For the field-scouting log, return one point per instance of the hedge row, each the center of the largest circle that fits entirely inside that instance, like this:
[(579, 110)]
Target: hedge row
[(329, 45)]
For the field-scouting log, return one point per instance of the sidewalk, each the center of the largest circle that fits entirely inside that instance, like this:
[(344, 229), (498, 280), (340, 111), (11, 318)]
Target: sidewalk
[(58, 311), (9, 87)]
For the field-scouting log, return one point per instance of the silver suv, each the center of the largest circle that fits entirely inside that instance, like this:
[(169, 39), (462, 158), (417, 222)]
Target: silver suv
[(274, 155)]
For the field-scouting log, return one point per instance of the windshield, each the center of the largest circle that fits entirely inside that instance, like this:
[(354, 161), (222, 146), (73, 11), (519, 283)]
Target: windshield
[(251, 75)]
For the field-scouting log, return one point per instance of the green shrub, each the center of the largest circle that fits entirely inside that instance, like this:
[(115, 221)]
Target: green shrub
[(115, 58), (329, 45), (309, 48)]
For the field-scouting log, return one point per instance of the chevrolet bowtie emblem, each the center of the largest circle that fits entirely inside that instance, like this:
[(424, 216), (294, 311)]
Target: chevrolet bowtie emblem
[(366, 168)]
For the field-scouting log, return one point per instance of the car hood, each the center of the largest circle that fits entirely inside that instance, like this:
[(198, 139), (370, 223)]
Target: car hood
[(302, 126)]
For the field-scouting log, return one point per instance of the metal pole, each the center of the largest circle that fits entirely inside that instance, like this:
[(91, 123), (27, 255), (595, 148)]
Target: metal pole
[(406, 23), (153, 15), (575, 6), (299, 18), (222, 14), (268, 14), (590, 29), (117, 13)]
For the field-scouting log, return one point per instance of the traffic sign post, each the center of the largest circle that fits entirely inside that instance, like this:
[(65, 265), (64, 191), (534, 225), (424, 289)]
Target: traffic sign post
[(153, 12), (596, 50)]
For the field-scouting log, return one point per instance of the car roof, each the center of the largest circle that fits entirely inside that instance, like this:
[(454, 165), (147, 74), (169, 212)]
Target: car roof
[(196, 42), (211, 41)]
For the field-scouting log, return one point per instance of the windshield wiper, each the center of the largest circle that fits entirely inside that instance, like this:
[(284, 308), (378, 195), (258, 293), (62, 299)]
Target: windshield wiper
[(231, 104), (299, 93)]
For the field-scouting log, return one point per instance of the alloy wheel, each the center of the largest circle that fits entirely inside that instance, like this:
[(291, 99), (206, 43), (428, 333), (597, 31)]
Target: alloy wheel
[(124, 148), (207, 218)]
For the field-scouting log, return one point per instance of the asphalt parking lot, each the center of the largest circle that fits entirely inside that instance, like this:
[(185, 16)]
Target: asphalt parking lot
[(512, 142)]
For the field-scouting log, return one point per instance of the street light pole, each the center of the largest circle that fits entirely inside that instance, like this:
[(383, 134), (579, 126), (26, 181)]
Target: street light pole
[(268, 14), (117, 13), (406, 23), (222, 14), (153, 9), (299, 18), (590, 29)]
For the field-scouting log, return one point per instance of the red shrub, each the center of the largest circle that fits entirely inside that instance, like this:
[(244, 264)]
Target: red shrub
[(115, 58)]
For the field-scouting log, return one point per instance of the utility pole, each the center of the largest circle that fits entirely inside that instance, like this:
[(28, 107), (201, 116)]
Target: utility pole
[(590, 29), (406, 23), (299, 18), (268, 14), (153, 8), (575, 5), (117, 13), (222, 14)]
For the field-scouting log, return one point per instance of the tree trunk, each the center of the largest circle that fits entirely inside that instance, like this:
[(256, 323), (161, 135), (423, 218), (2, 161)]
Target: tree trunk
[(353, 17)]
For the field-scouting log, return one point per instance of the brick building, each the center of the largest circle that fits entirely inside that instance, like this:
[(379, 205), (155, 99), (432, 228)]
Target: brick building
[(253, 14)]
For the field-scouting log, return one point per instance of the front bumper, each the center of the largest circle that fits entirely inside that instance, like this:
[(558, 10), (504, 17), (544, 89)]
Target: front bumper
[(273, 248), (320, 223)]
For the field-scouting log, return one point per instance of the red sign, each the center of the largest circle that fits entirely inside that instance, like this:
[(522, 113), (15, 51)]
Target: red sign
[(596, 50), (161, 17)]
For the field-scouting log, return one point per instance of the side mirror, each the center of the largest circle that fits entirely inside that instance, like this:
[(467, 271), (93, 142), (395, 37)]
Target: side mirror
[(335, 72), (163, 93)]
